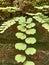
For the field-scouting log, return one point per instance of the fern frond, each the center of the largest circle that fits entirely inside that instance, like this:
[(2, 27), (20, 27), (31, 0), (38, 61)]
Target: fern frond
[(7, 24)]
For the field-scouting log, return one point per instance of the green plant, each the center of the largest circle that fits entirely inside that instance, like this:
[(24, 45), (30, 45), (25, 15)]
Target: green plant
[(20, 58), (29, 63), (26, 27), (25, 30)]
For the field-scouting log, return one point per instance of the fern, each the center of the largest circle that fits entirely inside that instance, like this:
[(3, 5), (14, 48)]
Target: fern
[(26, 27), (39, 17), (7, 24), (24, 35)]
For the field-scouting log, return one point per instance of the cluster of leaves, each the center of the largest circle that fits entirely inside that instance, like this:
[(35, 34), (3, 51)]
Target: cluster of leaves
[(39, 17), (44, 20), (6, 25), (26, 32), (26, 28)]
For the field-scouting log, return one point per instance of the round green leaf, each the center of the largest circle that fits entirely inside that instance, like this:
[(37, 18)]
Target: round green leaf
[(22, 20), (31, 31), (30, 51), (21, 28), (29, 20), (20, 46), (20, 35), (20, 58), (30, 40), (29, 63), (30, 25)]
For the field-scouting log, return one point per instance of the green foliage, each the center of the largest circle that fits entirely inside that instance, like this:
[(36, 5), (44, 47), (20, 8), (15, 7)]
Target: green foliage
[(22, 20), (40, 18), (29, 20), (31, 31), (20, 58), (20, 46), (20, 35), (25, 26), (21, 27), (30, 51), (6, 25), (30, 40), (30, 25), (26, 31), (46, 26), (28, 63)]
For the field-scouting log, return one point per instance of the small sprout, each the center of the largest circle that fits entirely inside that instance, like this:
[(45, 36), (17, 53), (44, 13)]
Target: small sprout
[(29, 20), (21, 28), (30, 25), (29, 63), (31, 31), (30, 51), (30, 40), (20, 35), (20, 58), (20, 46), (46, 26), (22, 20)]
